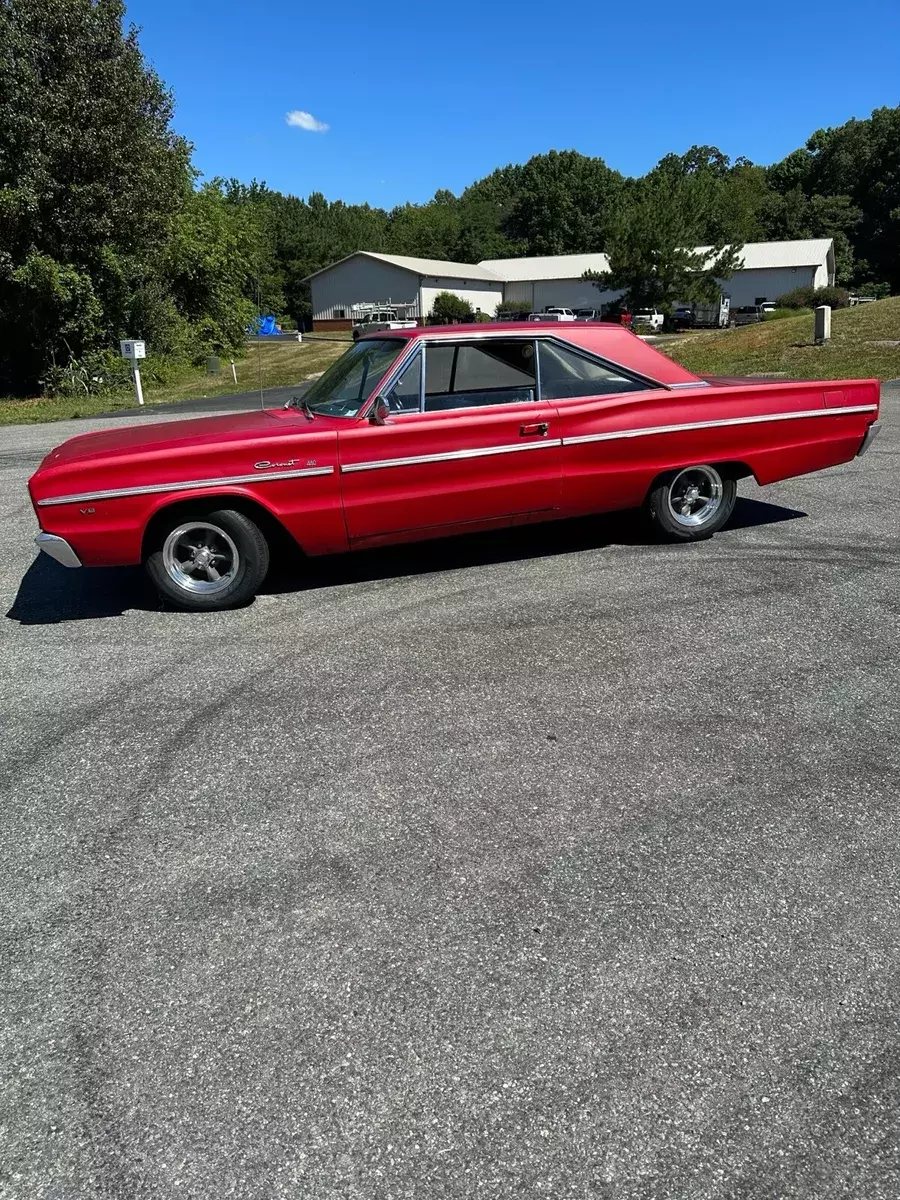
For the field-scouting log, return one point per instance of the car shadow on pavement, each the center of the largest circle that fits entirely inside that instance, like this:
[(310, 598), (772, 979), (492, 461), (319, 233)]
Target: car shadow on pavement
[(545, 540), (49, 593)]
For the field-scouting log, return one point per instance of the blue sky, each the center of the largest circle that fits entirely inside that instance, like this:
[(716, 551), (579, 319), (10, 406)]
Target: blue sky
[(423, 95)]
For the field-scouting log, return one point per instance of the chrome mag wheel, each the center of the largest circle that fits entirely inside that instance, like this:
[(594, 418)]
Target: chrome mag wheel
[(200, 558), (695, 496)]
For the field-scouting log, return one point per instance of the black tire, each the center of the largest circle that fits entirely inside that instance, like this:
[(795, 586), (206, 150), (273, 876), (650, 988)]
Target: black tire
[(692, 503), (356, 335), (192, 548)]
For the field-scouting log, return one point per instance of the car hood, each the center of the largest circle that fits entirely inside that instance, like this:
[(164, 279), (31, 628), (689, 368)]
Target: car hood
[(163, 436), (167, 453)]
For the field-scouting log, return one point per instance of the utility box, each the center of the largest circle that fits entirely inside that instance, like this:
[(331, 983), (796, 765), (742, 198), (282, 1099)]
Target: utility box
[(823, 324), (133, 350), (213, 365)]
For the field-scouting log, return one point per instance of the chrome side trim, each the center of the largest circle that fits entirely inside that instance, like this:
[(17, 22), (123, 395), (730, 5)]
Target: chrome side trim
[(183, 486), (57, 548), (691, 384), (450, 456), (791, 416)]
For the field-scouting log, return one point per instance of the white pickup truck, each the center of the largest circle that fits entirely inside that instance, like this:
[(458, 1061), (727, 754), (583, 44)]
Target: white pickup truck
[(649, 316), (559, 314), (378, 319)]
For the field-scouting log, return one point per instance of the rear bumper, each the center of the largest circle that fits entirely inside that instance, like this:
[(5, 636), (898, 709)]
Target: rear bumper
[(871, 434), (57, 548)]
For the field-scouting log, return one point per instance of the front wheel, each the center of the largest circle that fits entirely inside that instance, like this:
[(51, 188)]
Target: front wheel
[(692, 503), (208, 561)]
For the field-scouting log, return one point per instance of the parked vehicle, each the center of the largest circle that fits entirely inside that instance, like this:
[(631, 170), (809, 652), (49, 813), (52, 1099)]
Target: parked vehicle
[(768, 306), (553, 317), (522, 314), (703, 316), (564, 314), (587, 314), (617, 317), (371, 318), (420, 433), (862, 299), (747, 314), (649, 316)]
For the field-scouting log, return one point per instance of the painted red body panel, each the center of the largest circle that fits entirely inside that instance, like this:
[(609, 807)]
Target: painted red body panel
[(360, 489)]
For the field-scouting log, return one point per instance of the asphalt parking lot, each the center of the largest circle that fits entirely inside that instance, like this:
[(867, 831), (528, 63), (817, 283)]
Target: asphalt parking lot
[(546, 864)]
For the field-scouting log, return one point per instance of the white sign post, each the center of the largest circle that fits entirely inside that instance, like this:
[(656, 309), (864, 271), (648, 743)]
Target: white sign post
[(133, 352)]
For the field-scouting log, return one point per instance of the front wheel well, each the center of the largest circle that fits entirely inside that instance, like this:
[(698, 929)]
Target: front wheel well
[(271, 528)]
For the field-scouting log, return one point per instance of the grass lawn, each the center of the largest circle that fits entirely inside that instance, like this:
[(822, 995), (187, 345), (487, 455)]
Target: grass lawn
[(860, 346), (278, 364)]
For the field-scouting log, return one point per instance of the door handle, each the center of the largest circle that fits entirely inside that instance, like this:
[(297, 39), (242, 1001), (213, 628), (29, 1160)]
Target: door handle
[(541, 428)]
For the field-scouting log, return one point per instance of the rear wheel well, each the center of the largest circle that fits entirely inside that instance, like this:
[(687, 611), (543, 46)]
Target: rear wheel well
[(728, 470), (271, 528)]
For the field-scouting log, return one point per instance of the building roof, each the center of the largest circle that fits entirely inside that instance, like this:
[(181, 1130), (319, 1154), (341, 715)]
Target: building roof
[(809, 252), (555, 266), (422, 266)]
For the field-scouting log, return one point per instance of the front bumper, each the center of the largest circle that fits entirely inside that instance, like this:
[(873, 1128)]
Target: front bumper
[(57, 548), (871, 434)]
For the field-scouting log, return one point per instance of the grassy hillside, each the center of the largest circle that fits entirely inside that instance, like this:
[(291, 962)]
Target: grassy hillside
[(865, 343), (275, 364)]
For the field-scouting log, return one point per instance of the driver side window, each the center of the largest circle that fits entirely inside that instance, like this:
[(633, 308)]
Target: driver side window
[(405, 394)]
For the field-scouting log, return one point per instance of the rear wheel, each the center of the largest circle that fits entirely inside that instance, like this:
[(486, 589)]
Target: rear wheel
[(692, 503), (209, 560)]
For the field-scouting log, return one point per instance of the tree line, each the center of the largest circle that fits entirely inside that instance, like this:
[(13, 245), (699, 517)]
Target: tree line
[(106, 232)]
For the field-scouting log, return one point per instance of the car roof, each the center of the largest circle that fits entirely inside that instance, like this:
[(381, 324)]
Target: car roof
[(606, 340)]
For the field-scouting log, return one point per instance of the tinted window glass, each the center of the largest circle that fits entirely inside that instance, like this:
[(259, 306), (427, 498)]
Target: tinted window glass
[(473, 374), (404, 396), (565, 374)]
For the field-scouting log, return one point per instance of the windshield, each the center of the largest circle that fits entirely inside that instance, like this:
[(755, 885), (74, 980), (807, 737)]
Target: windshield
[(348, 383)]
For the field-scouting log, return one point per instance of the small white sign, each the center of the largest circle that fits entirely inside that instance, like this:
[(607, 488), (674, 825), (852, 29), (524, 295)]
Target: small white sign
[(133, 350)]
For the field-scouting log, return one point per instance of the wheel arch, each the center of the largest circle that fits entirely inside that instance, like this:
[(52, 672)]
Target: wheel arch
[(269, 525), (728, 469)]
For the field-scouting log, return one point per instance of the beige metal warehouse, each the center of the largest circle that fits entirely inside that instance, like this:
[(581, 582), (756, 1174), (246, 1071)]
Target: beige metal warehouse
[(769, 270), (368, 278)]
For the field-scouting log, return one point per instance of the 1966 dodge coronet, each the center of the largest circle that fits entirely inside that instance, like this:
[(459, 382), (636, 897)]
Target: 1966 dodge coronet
[(422, 433)]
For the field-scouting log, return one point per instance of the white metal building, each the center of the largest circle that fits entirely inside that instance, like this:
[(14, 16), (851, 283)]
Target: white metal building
[(769, 270), (369, 278)]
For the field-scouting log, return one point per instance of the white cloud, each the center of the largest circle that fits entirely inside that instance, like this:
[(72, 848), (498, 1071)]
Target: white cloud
[(305, 120)]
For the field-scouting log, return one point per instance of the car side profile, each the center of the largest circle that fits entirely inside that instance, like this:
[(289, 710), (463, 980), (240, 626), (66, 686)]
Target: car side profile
[(426, 432)]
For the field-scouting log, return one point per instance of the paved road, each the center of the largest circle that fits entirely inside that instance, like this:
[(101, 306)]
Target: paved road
[(549, 864), (237, 402)]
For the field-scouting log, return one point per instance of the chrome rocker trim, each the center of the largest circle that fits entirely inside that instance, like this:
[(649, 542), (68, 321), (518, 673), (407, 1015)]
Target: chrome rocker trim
[(186, 485), (790, 416), (57, 548)]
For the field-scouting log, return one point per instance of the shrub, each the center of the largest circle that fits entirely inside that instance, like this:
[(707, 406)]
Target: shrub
[(780, 313), (810, 297), (448, 308), (481, 318), (515, 306)]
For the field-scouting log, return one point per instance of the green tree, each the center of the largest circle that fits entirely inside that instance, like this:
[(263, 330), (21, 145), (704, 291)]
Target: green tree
[(91, 180), (448, 308), (565, 203), (650, 247)]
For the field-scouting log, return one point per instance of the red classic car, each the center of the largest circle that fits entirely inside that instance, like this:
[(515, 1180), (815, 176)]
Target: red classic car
[(426, 432)]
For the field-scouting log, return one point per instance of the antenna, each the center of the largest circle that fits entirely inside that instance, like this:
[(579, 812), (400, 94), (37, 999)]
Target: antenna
[(262, 403)]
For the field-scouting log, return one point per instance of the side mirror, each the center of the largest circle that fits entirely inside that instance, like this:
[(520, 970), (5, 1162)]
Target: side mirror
[(381, 410)]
